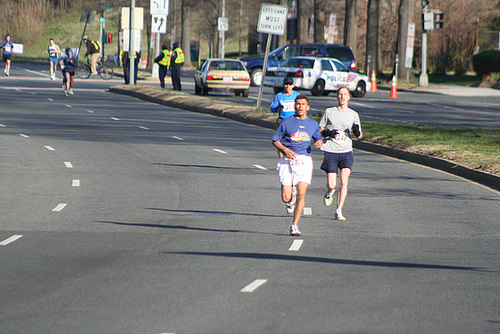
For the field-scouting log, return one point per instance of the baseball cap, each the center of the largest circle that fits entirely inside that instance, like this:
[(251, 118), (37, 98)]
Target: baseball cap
[(85, 38), (288, 81)]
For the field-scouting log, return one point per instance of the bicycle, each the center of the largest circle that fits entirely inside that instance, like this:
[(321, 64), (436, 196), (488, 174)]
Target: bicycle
[(104, 71)]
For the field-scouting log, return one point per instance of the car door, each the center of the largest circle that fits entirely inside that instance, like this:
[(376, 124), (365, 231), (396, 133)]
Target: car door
[(328, 73), (341, 73)]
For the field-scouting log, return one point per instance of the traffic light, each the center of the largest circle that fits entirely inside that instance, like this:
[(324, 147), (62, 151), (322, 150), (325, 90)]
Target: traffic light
[(438, 19), (110, 38), (102, 17)]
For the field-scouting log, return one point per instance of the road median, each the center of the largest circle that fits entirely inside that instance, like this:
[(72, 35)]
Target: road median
[(251, 115)]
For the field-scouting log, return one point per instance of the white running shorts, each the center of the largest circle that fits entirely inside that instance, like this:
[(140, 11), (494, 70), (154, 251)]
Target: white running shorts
[(294, 171)]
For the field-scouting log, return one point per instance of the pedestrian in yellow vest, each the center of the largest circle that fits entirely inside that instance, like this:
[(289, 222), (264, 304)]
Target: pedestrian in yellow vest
[(163, 60), (176, 61), (125, 56)]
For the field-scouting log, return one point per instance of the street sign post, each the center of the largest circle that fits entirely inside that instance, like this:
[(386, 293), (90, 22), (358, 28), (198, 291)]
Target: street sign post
[(159, 23), (272, 20), (158, 7)]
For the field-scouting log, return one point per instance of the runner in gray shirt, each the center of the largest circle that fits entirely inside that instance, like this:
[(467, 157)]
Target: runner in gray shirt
[(338, 125)]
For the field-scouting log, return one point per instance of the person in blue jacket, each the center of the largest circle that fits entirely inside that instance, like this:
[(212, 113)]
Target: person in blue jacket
[(7, 48)]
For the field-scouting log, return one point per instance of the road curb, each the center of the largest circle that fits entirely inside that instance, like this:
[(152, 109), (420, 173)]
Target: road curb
[(248, 115)]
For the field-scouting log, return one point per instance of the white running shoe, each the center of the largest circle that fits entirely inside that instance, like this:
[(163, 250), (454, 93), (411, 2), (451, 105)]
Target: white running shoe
[(71, 92), (328, 198), (66, 92), (290, 206), (339, 216), (294, 230)]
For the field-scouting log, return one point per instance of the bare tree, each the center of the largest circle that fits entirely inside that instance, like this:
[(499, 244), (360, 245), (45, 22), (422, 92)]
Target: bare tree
[(302, 20), (405, 17), (186, 33), (373, 37), (351, 25), (319, 21)]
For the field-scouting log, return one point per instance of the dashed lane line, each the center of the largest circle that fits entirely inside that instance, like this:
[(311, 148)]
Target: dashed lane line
[(68, 105), (10, 239), (50, 148), (68, 164), (75, 183), (254, 285), (260, 167), (178, 138), (296, 244), (143, 127), (115, 118), (220, 151), (59, 207), (23, 135)]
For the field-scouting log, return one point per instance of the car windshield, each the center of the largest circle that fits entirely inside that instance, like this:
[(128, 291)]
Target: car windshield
[(298, 63), (276, 52), (342, 54), (224, 65)]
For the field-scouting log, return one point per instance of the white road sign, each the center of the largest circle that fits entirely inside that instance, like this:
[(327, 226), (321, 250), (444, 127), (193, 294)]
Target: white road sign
[(272, 19), (159, 24), (223, 23), (159, 7)]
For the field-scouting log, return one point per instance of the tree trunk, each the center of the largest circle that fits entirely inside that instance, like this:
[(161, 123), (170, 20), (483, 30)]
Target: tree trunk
[(373, 37), (186, 34), (405, 17), (319, 21), (302, 21), (351, 25), (282, 39)]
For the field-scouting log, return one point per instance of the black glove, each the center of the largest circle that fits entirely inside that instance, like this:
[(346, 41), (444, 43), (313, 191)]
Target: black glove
[(348, 133), (329, 133), (355, 130)]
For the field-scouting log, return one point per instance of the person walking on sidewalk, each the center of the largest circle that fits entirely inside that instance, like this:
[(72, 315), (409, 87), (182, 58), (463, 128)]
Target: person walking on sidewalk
[(294, 137), (7, 47), (54, 51), (163, 60), (338, 125), (176, 61)]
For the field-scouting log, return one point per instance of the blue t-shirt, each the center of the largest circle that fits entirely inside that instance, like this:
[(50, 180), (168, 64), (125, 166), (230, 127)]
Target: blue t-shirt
[(296, 134), (9, 47), (287, 102)]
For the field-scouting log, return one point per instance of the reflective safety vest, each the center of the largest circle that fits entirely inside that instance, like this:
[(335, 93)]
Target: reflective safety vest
[(180, 56), (122, 54), (166, 58)]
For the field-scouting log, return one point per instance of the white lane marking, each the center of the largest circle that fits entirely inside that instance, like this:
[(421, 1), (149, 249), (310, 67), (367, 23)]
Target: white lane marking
[(178, 138), (143, 127), (296, 244), (75, 183), (68, 164), (32, 93), (254, 285), (50, 148), (220, 151), (51, 100), (365, 105), (90, 111), (69, 105), (2, 126), (34, 72), (23, 135), (10, 239), (307, 211), (59, 207), (260, 167), (19, 89), (115, 119)]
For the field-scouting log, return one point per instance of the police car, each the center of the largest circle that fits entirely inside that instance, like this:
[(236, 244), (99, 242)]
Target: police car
[(320, 75)]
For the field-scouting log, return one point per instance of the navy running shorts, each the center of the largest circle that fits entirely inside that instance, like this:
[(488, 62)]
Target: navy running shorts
[(333, 161)]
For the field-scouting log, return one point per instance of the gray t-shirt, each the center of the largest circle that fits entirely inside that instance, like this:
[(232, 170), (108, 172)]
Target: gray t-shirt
[(334, 119)]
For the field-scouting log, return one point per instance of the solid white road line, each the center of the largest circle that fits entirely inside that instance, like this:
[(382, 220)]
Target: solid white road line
[(220, 151), (254, 285), (260, 167), (34, 72), (75, 183), (178, 138), (296, 244), (59, 207), (23, 135), (11, 239), (50, 148), (143, 127), (68, 164)]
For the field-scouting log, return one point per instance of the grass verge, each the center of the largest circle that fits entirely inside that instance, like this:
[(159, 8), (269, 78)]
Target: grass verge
[(477, 149)]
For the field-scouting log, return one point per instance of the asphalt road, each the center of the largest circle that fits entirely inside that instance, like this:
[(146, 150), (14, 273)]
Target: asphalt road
[(122, 216)]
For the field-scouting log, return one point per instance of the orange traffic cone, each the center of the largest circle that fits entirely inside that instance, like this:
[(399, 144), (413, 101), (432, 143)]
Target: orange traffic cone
[(374, 82), (394, 88)]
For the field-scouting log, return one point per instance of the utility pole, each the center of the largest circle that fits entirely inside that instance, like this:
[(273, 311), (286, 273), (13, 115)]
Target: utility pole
[(222, 32), (424, 79), (131, 49)]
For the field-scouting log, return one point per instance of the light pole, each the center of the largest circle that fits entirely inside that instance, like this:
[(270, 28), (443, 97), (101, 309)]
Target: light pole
[(424, 79)]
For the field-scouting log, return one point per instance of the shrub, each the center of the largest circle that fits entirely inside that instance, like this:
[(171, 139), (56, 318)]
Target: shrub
[(486, 62)]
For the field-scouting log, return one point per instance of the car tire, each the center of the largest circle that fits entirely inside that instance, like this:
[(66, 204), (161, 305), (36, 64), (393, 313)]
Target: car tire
[(237, 92), (360, 90), (197, 89), (318, 88), (256, 76), (244, 93), (204, 91)]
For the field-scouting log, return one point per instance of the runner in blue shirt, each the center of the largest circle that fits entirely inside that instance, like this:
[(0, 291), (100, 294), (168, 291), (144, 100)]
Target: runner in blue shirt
[(293, 138), (284, 102), (7, 48)]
